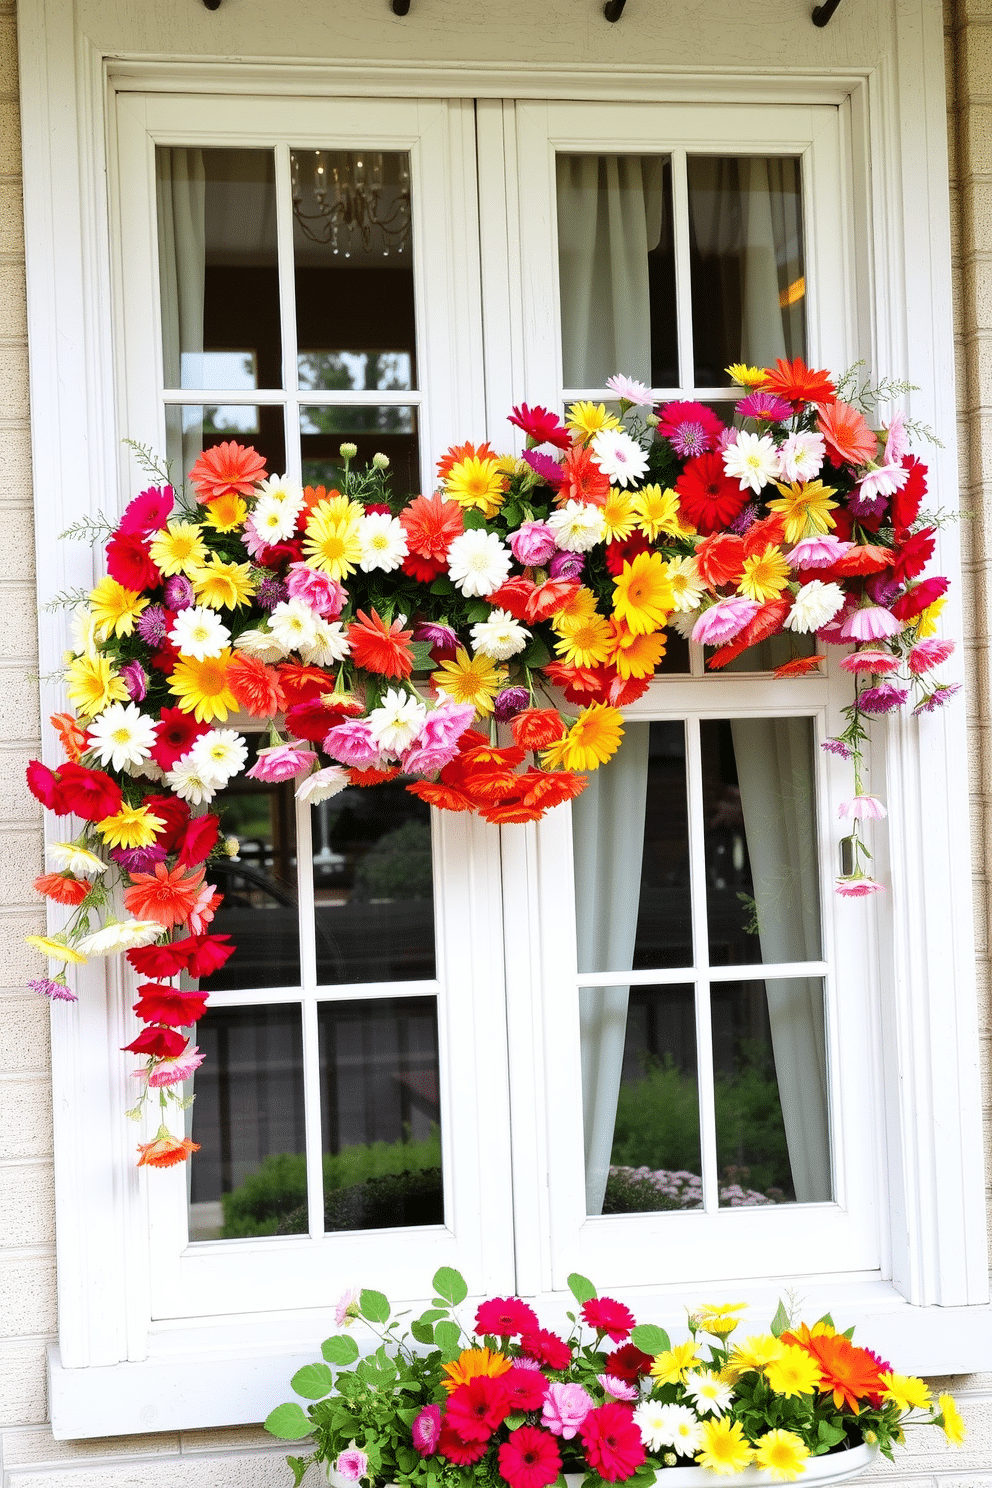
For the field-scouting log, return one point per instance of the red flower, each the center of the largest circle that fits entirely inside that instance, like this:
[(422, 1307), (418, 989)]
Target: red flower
[(529, 1458), (914, 554), (72, 738), (918, 597), (431, 525), (612, 1440), (797, 383), (164, 1151), (128, 562), (160, 1043), (312, 719), (43, 784), (227, 467), (199, 838), (277, 554), (536, 728), (148, 512), (378, 647), (87, 793), (525, 1387), (505, 1317), (905, 504), (461, 1453), (770, 529), (528, 601), (436, 793), (158, 1004), (540, 426), (799, 666), (200, 955), (607, 1316), (475, 1409), (628, 1363), (584, 481), (299, 682), (372, 776), (708, 498), (424, 570), (579, 684), (62, 887), (175, 814), (619, 553), (547, 1348), (256, 686), (177, 733)]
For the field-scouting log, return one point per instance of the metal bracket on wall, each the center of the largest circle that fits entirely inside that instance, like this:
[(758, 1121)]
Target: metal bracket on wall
[(613, 9), (822, 13)]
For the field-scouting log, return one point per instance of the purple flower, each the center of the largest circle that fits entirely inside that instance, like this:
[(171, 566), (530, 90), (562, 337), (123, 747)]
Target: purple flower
[(567, 565), (882, 590), (178, 592), (689, 439), (882, 699), (47, 987), (271, 592), (441, 637), (510, 702), (745, 519), (351, 743), (280, 762), (352, 1464), (936, 699), (765, 406), (153, 625), (426, 1430), (565, 1408), (138, 859), (437, 742), (135, 679), (533, 543), (549, 470), (837, 746), (863, 503)]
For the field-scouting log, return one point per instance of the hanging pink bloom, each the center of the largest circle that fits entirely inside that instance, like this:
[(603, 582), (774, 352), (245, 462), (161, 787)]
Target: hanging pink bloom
[(437, 742), (351, 743), (882, 699), (619, 1389), (204, 909), (818, 552), (280, 762), (936, 699), (346, 1308), (174, 1071), (316, 589), (565, 1408), (858, 887), (897, 440), (862, 808), (838, 747), (870, 660), (533, 543), (870, 623), (925, 655), (722, 621)]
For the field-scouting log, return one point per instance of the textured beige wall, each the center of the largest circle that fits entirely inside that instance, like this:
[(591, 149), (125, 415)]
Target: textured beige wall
[(29, 1458)]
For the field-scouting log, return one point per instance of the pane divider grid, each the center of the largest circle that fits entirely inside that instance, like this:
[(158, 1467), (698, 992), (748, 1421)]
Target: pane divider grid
[(700, 951), (287, 303), (311, 1049), (679, 975), (683, 292)]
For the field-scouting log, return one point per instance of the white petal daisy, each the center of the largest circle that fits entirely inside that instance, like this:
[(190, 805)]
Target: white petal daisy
[(330, 644), (478, 562), (619, 456), (117, 936), (78, 860), (577, 527), (191, 782), (83, 631), (122, 736), (383, 540), (813, 606), (218, 755), (499, 637), (261, 643), (293, 624), (274, 520), (709, 1392), (322, 785), (687, 587), (281, 491), (752, 460), (397, 721), (801, 456), (199, 632)]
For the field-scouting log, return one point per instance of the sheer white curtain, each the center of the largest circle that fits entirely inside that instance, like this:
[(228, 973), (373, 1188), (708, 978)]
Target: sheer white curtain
[(182, 257)]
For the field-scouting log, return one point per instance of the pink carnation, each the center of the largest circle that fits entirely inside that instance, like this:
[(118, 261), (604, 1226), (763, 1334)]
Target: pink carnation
[(426, 1430), (253, 540), (617, 1389), (565, 1408), (351, 743), (862, 808), (857, 888), (280, 762), (173, 1071), (316, 589), (870, 660), (533, 543), (818, 552), (722, 621), (870, 623), (352, 1464), (437, 742), (927, 654)]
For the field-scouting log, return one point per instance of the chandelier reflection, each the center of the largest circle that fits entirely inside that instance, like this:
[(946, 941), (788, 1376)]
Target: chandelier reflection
[(355, 202)]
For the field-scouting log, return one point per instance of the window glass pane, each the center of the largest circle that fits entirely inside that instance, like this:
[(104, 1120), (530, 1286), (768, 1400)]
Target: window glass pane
[(639, 1061), (249, 1177), (616, 264), (190, 429), (664, 917), (388, 429), (770, 1072), (259, 911), (380, 1114), (747, 264), (759, 809), (373, 886), (218, 269), (771, 653)]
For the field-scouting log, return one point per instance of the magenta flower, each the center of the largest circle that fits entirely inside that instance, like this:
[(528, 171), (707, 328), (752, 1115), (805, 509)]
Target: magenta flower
[(509, 702), (441, 637), (722, 621), (882, 699), (50, 987), (619, 1389), (870, 623), (280, 762), (352, 1464), (153, 625), (925, 655), (936, 699), (549, 470), (565, 1408), (533, 543), (316, 589), (838, 747), (174, 1071), (567, 565), (766, 406), (271, 592), (135, 679), (866, 501), (690, 428), (857, 886), (138, 859), (818, 552), (870, 660), (862, 808), (178, 592), (426, 1430), (148, 512), (351, 743), (745, 518), (437, 742)]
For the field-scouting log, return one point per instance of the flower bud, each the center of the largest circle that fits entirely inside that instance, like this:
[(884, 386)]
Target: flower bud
[(380, 462), (348, 450)]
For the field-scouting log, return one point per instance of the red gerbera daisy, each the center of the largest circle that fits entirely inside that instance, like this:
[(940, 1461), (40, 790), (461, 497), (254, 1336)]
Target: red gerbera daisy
[(797, 383), (532, 602), (461, 1453), (177, 733), (128, 562), (300, 683), (475, 1409), (536, 728), (62, 887), (612, 1442), (708, 498), (227, 467), (372, 776), (159, 1042), (529, 1458), (608, 1316), (147, 512), (163, 1004), (256, 686), (583, 479), (628, 1363), (720, 559), (381, 648), (87, 793), (436, 793), (619, 553), (174, 814), (505, 1317), (918, 597), (540, 426), (424, 570), (199, 839), (431, 525), (547, 1348), (914, 554), (905, 504)]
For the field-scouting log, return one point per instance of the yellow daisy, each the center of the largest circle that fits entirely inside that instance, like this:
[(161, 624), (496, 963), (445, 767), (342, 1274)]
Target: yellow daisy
[(927, 623), (724, 1448), (782, 1455), (332, 542), (587, 419), (114, 608), (642, 595), (57, 950), (745, 376), (132, 826), (227, 513), (635, 655), (619, 515), (908, 1392), (951, 1420), (755, 1353), (223, 586), (92, 685), (687, 587), (476, 483), (470, 1364), (806, 508), (657, 511), (471, 679), (202, 688), (765, 575), (672, 1366), (178, 548), (794, 1372), (593, 739), (581, 606), (719, 1319), (584, 642)]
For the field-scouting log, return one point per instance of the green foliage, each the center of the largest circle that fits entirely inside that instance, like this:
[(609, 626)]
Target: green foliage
[(374, 1306), (780, 1321), (581, 1288), (312, 1381), (650, 1339), (449, 1286), (290, 1422), (341, 1349)]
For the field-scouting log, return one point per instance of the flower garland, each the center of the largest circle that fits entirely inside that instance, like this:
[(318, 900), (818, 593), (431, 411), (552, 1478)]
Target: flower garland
[(383, 632)]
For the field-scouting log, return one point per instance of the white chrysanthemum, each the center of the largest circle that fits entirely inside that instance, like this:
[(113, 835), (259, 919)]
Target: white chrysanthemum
[(122, 735), (478, 562), (801, 456), (115, 936), (322, 785), (813, 606), (383, 542), (709, 1392), (281, 491), (191, 782), (673, 1426), (293, 625), (577, 527), (260, 643), (683, 621), (687, 587), (330, 644), (619, 456), (218, 755), (882, 480), (397, 721), (274, 520), (147, 770), (752, 459), (199, 632), (83, 631), (67, 856), (499, 637)]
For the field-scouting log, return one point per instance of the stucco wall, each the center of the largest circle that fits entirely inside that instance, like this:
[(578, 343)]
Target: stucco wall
[(244, 1459)]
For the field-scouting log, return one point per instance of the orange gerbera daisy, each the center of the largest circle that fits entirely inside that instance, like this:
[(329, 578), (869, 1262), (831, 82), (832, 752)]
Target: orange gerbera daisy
[(373, 776), (300, 683), (431, 524), (799, 666), (470, 1364), (584, 481), (381, 648), (62, 887), (846, 433), (720, 559), (445, 797), (868, 558), (165, 1150), (850, 1374), (634, 655), (225, 468), (256, 686), (459, 452), (797, 383), (536, 728), (164, 896), (71, 736)]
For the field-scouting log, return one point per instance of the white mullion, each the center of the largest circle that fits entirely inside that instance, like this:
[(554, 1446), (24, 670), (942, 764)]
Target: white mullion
[(673, 976), (361, 397), (701, 957), (683, 288), (311, 1051), (287, 309), (239, 397)]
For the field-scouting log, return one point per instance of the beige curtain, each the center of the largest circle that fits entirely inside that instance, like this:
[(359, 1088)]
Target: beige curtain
[(182, 194)]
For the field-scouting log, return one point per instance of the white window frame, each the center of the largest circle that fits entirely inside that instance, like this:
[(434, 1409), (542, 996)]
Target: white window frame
[(932, 1312)]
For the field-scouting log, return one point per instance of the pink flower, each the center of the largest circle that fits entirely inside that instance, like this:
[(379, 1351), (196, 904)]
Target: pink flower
[(505, 1317), (897, 440), (936, 699), (204, 909), (426, 1430), (870, 623), (135, 679), (927, 654), (280, 762), (440, 637), (862, 808), (722, 621), (882, 699), (316, 589), (253, 540), (818, 552), (352, 1464), (173, 1071), (612, 1442), (766, 406), (857, 887), (437, 742), (565, 1408), (346, 1309), (351, 743), (870, 660), (529, 1458), (617, 1388), (533, 543), (691, 428), (630, 390), (838, 747), (608, 1316)]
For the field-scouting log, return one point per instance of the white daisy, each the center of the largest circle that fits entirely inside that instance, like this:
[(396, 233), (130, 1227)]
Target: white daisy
[(882, 480), (115, 936), (577, 527), (77, 860), (293, 624), (261, 643), (752, 459), (683, 622), (147, 770), (383, 542), (322, 785), (801, 456), (83, 631), (199, 632), (330, 644), (668, 1426), (478, 562), (218, 755), (619, 456), (709, 1392), (281, 491), (687, 587), (274, 520), (397, 721), (499, 637), (122, 735), (191, 782), (813, 606)]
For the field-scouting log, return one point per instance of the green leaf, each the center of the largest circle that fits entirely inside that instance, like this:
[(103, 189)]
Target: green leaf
[(299, 1466), (826, 1318), (442, 586), (313, 1381), (651, 1340), (340, 1349), (510, 514), (581, 1288), (536, 655), (829, 1434), (422, 1332), (478, 611), (447, 1336), (289, 1421), (780, 1321), (422, 661), (450, 1284), (432, 1314), (472, 518), (374, 1306), (514, 1419)]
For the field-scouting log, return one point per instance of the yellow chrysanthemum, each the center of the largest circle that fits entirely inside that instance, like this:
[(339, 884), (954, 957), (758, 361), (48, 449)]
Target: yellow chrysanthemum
[(724, 1449), (672, 1366), (584, 642), (471, 679), (657, 511), (927, 623), (634, 655), (642, 594), (587, 419), (227, 513), (332, 542), (719, 1318), (782, 1455), (764, 575), (745, 376), (619, 515), (470, 1364), (908, 1392), (114, 608), (202, 687), (57, 950), (223, 586), (593, 739), (951, 1420), (132, 826), (92, 685), (581, 607), (178, 548), (806, 509), (477, 484), (754, 1353), (794, 1372), (510, 465), (687, 587)]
